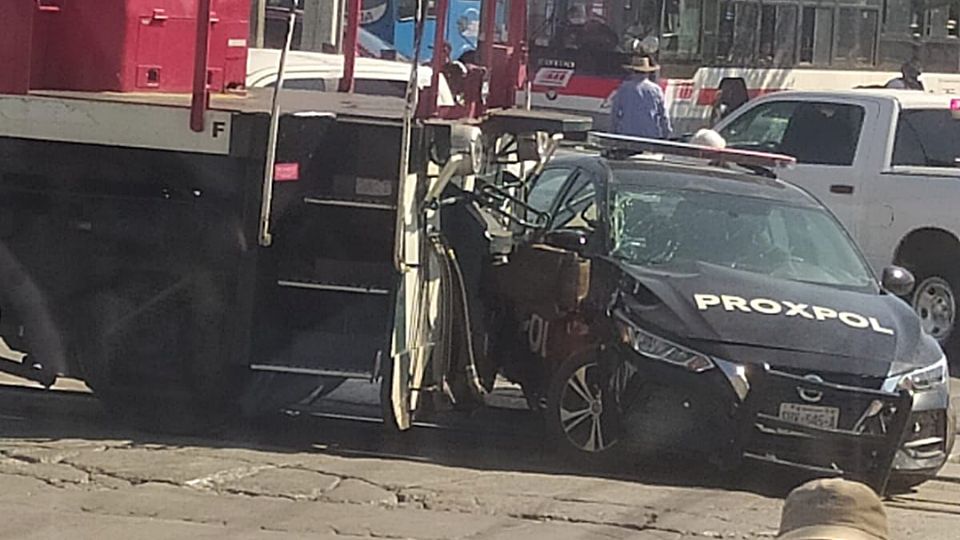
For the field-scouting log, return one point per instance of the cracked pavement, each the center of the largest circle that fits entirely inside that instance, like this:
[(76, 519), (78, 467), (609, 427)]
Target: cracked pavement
[(67, 471)]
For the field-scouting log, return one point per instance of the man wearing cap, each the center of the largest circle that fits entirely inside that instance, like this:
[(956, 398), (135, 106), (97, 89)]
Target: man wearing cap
[(638, 107), (833, 509)]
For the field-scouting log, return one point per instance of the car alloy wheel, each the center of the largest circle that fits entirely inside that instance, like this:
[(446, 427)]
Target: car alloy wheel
[(587, 410)]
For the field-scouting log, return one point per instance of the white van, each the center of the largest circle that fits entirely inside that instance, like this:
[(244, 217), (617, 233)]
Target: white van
[(322, 72)]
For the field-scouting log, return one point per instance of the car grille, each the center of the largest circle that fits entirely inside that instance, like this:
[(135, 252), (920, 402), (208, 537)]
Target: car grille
[(861, 446), (846, 379)]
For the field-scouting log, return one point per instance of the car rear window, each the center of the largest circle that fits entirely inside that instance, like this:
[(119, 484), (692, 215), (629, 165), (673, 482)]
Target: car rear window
[(927, 138)]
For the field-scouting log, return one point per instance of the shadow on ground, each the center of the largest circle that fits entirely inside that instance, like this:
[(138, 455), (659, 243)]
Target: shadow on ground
[(504, 440)]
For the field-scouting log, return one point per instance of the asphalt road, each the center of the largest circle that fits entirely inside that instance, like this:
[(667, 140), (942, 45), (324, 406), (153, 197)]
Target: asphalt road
[(67, 471)]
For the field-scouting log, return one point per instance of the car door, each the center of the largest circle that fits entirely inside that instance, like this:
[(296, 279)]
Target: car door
[(546, 188), (557, 268), (826, 137), (406, 371), (548, 275)]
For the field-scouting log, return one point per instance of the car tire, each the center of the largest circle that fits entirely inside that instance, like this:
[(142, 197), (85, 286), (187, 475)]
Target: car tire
[(582, 416), (935, 299)]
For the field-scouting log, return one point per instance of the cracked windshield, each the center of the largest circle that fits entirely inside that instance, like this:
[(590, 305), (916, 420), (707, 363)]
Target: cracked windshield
[(480, 269)]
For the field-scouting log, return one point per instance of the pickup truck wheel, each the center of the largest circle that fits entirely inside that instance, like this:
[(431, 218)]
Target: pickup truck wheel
[(935, 301)]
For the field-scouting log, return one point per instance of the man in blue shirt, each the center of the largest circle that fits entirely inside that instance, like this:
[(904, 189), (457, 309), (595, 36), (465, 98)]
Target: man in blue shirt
[(638, 106)]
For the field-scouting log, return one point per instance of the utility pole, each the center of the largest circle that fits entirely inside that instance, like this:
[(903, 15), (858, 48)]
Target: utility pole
[(321, 24), (258, 21)]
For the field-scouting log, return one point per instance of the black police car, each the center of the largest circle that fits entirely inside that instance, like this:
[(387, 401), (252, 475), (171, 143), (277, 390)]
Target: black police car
[(669, 304)]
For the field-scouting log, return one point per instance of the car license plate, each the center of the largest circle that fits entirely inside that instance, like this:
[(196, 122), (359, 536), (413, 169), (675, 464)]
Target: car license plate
[(810, 415)]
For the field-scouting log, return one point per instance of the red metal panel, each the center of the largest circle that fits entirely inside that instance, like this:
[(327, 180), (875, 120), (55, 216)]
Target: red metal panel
[(350, 45), (228, 41), (118, 45), (201, 67), (16, 45)]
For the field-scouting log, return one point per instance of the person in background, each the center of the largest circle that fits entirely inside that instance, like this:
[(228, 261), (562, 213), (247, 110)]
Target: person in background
[(833, 509), (732, 95), (638, 106), (597, 35), (569, 31), (909, 77)]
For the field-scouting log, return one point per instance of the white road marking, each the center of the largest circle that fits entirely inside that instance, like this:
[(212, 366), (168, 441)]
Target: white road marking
[(229, 475)]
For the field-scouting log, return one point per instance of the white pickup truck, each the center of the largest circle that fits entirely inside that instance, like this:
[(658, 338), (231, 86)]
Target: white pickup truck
[(888, 164)]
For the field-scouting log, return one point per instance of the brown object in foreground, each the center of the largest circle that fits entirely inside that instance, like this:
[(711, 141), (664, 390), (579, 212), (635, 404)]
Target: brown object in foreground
[(833, 509)]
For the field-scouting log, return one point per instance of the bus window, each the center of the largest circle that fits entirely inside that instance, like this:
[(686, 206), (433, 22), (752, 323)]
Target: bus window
[(681, 35), (768, 21), (407, 9), (816, 35), (584, 27), (778, 35), (953, 14), (738, 32), (856, 36)]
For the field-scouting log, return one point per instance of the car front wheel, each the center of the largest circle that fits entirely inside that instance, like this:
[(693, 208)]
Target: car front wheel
[(583, 413)]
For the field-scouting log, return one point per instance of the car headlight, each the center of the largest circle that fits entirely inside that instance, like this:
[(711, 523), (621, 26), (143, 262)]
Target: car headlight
[(658, 348), (921, 379)]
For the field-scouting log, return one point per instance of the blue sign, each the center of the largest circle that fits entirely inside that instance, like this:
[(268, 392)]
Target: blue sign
[(381, 18), (377, 17)]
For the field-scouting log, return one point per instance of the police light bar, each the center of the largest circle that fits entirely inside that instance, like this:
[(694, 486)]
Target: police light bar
[(637, 145)]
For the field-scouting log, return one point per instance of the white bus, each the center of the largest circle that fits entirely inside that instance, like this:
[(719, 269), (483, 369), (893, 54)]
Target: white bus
[(714, 52)]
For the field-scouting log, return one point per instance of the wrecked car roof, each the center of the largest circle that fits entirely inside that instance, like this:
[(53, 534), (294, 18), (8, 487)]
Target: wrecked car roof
[(694, 176)]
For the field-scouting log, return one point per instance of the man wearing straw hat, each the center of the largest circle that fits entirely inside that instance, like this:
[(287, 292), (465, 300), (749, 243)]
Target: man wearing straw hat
[(638, 107)]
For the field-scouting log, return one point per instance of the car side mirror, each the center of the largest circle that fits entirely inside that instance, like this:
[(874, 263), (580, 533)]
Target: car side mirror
[(569, 239), (897, 280)]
